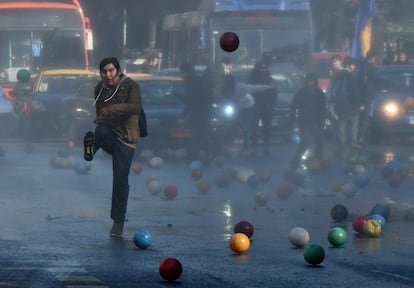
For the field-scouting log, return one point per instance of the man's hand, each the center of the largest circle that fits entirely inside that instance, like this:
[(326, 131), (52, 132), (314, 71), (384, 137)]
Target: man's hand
[(105, 112)]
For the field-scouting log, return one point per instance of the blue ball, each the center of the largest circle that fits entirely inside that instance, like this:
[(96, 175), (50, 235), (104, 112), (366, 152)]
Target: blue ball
[(81, 167), (381, 209), (361, 180), (379, 218), (295, 137), (253, 181), (196, 164), (143, 238)]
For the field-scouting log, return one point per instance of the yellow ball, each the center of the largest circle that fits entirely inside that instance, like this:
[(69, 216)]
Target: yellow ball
[(239, 243), (372, 228)]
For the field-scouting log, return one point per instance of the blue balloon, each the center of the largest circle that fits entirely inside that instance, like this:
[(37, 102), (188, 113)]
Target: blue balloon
[(143, 238), (196, 164), (379, 218)]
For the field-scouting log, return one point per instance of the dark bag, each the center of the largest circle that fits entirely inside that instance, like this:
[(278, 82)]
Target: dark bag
[(143, 129)]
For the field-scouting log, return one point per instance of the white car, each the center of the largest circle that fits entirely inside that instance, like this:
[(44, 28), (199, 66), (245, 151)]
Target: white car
[(8, 118)]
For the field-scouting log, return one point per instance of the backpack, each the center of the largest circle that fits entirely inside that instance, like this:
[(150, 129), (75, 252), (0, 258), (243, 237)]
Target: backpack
[(142, 120)]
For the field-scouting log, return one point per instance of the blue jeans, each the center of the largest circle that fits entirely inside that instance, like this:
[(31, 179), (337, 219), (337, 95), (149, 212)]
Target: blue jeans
[(122, 156)]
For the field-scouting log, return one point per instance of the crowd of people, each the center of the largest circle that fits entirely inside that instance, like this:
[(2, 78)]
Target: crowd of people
[(352, 88)]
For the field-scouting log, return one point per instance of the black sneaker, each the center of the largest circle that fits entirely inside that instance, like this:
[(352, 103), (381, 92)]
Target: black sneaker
[(88, 142), (117, 229)]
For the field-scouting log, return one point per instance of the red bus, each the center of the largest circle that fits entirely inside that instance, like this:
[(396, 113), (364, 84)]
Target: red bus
[(38, 35)]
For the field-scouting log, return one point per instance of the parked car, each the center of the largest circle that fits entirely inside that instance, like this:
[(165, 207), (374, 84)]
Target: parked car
[(50, 89), (162, 99), (392, 109)]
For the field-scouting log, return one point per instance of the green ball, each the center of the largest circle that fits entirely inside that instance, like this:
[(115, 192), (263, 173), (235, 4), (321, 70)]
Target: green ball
[(314, 254), (23, 75), (337, 236)]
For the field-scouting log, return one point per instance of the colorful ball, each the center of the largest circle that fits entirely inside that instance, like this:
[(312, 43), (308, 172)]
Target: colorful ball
[(143, 238), (382, 209), (196, 164), (261, 198), (150, 178), (154, 187), (371, 228), (239, 243), (264, 176), (339, 213), (358, 223), (223, 181), (170, 191), (349, 190), (137, 167), (314, 254), (196, 173), (299, 237), (23, 75), (284, 192), (253, 181), (361, 180), (156, 162), (170, 269), (203, 186), (359, 169), (81, 168), (379, 218), (229, 41), (337, 236), (244, 227)]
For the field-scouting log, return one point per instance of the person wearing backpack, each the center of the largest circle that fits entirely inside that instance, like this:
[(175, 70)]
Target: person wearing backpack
[(118, 105), (345, 104)]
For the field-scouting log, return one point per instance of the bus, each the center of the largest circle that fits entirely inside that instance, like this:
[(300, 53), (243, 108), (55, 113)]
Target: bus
[(281, 28), (38, 35)]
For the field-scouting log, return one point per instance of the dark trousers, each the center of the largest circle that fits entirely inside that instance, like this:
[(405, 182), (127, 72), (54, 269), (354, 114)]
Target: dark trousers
[(308, 136), (122, 156)]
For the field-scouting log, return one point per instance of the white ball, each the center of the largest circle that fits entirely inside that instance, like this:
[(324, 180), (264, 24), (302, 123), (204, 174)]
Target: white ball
[(244, 174), (299, 237), (349, 190), (261, 198), (154, 187), (359, 169), (156, 162)]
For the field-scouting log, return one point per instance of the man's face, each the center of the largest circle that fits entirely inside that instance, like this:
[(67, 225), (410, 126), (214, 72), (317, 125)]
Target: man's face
[(110, 74), (337, 64), (403, 56)]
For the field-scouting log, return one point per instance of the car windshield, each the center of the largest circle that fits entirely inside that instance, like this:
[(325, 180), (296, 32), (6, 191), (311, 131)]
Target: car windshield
[(397, 81), (62, 84), (161, 91)]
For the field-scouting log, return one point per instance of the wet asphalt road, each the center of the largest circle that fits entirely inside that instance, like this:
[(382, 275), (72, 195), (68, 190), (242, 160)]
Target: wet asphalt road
[(55, 223)]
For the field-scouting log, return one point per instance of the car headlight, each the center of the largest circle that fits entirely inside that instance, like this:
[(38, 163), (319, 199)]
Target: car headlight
[(391, 109)]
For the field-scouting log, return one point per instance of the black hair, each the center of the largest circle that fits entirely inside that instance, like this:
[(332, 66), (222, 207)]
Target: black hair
[(110, 60), (337, 57)]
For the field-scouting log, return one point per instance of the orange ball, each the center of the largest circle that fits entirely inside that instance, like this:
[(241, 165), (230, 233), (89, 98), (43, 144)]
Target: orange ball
[(239, 243)]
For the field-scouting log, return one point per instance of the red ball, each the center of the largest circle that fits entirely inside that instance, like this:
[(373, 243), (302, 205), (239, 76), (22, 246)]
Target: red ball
[(284, 192), (244, 227), (70, 145), (170, 191), (196, 174), (137, 167), (358, 223), (170, 269), (229, 41)]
